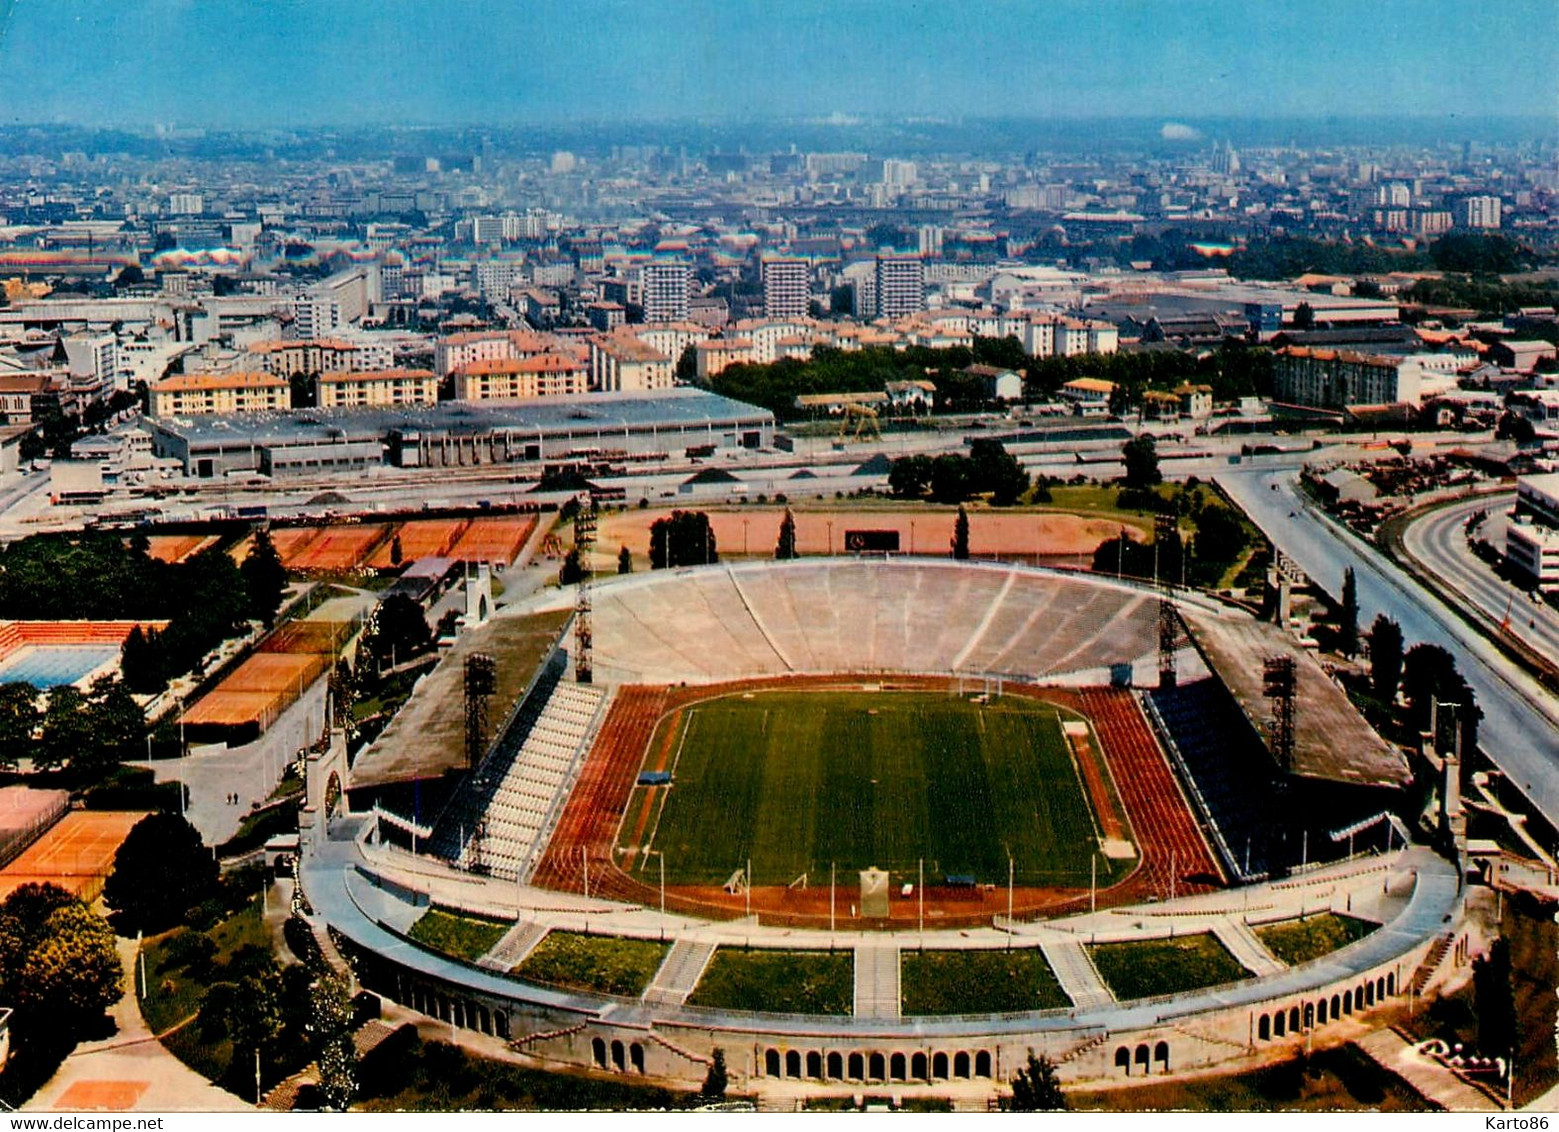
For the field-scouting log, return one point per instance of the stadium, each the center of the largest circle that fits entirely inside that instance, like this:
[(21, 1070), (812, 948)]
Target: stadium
[(878, 822)]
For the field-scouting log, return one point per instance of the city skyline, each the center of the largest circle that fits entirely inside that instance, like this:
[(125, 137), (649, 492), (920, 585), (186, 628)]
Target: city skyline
[(234, 65)]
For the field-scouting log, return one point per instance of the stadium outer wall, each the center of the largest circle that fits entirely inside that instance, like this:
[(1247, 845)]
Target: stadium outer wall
[(1219, 1026)]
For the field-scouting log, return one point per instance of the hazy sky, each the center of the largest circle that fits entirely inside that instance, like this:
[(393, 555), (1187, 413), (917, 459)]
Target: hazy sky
[(300, 62)]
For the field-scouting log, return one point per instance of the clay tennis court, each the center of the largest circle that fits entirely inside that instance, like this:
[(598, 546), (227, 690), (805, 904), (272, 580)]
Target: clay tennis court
[(420, 538), (307, 636), (77, 854), (257, 691), (289, 542), (1035, 534), (176, 548), (102, 1096), (496, 539), (337, 548)]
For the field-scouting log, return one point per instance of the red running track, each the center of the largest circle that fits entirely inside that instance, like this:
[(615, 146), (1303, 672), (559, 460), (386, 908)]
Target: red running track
[(1163, 826)]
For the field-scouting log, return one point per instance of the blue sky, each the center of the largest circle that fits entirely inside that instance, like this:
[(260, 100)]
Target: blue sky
[(309, 62)]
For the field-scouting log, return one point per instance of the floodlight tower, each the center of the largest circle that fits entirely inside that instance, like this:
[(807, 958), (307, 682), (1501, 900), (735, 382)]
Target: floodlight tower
[(584, 634), (1165, 528)]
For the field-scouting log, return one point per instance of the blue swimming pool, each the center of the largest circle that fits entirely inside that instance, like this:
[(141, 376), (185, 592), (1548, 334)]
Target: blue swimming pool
[(47, 666)]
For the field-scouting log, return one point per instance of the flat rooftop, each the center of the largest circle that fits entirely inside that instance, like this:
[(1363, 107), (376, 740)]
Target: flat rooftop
[(1332, 741), (603, 412), (427, 737)]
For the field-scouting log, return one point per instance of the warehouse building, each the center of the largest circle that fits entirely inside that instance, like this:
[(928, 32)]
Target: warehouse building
[(453, 434)]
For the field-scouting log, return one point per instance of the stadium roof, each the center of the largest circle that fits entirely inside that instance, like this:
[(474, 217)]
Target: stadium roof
[(1332, 741), (426, 738)]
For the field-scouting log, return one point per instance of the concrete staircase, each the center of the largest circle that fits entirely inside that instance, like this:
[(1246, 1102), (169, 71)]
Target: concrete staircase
[(679, 972), (1075, 972), (518, 942), (1246, 947), (1431, 964), (521, 1044), (876, 981)]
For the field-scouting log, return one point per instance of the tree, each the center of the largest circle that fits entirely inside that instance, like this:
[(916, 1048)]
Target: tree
[(687, 365), (58, 963), (19, 716), (1140, 455), (1495, 1000), (785, 549), (572, 571), (1035, 1088), (683, 538), (1385, 658), (396, 552), (716, 1080), (118, 728), (66, 729), (329, 1029), (74, 973), (161, 871), (909, 477), (1348, 617), (1429, 674), (23, 916), (951, 479), (140, 663), (265, 579), (960, 543), (400, 630), (1304, 317), (624, 560), (994, 469)]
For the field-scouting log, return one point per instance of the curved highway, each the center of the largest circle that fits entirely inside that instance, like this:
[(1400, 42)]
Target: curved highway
[(1520, 728), (1437, 540)]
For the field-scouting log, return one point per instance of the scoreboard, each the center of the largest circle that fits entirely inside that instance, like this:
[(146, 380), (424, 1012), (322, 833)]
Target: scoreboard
[(871, 542)]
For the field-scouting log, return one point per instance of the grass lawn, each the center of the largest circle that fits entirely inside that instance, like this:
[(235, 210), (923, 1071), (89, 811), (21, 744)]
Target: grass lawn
[(978, 982), (797, 781), (439, 1077), (1299, 941), (174, 992), (464, 937), (602, 964), (784, 982), (1333, 1080), (1165, 966)]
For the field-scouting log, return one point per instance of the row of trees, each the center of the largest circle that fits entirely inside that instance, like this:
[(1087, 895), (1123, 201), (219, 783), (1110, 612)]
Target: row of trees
[(1232, 371), (94, 575), (1423, 674), (84, 734), (951, 478)]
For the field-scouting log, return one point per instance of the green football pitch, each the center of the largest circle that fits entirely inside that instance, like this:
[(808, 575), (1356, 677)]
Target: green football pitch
[(797, 781)]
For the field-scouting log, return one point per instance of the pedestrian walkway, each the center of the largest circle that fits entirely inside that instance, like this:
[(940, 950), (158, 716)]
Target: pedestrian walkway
[(1246, 947), (129, 1072), (876, 981), (1075, 972), (679, 973), (1431, 1080)]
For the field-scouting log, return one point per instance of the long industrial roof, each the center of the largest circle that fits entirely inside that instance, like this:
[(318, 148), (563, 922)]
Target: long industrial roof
[(603, 412)]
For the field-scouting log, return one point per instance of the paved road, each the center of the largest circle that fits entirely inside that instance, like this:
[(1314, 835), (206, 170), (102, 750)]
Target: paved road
[(1520, 729), (1438, 541)]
